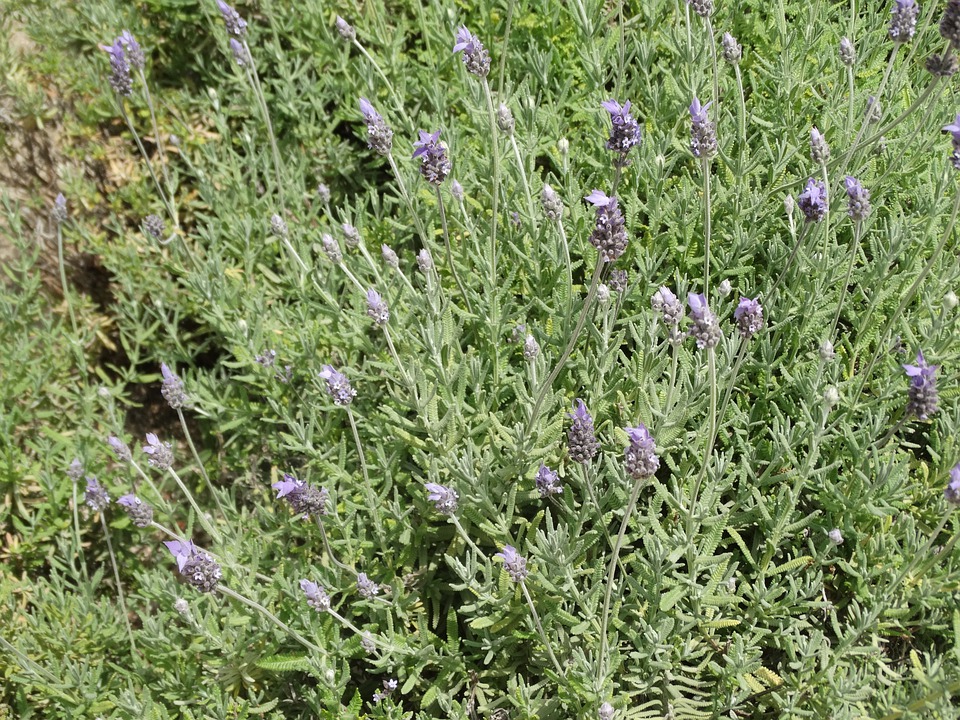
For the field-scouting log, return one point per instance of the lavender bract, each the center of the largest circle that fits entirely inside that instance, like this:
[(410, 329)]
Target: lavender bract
[(379, 134), (351, 236), (434, 163), (640, 458), (331, 248), (922, 394), (606, 711), (732, 51), (813, 201), (304, 499), (278, 226), (424, 261), (943, 66), (236, 25), (456, 189), (703, 8), (582, 443), (858, 199), (138, 511), (239, 52), (903, 21), (133, 50), (950, 23), (625, 131), (514, 563), (317, 597), (376, 308), (703, 133), (475, 57), (952, 491), (749, 317), (75, 470), (338, 386), (552, 205), (154, 226), (444, 499), (705, 330), (618, 280), (848, 55), (195, 566), (548, 482), (667, 305), (96, 495), (610, 234), (954, 130), (367, 587), (161, 454), (120, 449), (120, 79), (505, 120)]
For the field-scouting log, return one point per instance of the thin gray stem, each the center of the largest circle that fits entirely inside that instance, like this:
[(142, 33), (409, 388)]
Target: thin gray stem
[(705, 168), (523, 177), (156, 128), (116, 577), (367, 486), (146, 158), (536, 621), (494, 184), (76, 533), (393, 93), (201, 516), (854, 248), (446, 245), (463, 534), (326, 546), (253, 604), (196, 456)]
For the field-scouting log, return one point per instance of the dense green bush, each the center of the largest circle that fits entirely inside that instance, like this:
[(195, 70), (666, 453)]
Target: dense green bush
[(764, 530)]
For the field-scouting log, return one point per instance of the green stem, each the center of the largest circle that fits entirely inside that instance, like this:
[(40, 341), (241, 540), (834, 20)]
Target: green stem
[(495, 185), (367, 486), (446, 245), (393, 93), (253, 604), (146, 158), (854, 247), (63, 284), (793, 254), (536, 621), (116, 577), (196, 456), (466, 538), (705, 167), (156, 128), (326, 546), (76, 533), (201, 517), (523, 177)]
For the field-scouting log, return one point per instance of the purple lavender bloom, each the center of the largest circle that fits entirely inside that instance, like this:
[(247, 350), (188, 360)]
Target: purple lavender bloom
[(749, 317), (379, 134), (196, 566), (732, 51), (323, 193), (514, 563), (552, 204), (133, 50), (548, 482), (267, 358), (531, 348), (337, 385), (424, 261), (456, 189), (172, 388), (944, 66), (903, 23), (950, 23), (236, 25), (705, 329), (154, 226), (388, 687), (813, 201), (376, 308), (331, 248), (75, 470), (120, 448), (667, 305), (444, 499), (389, 256), (618, 281), (367, 587), (351, 236), (848, 55), (954, 130), (819, 150), (239, 52), (120, 79), (434, 163), (582, 443), (858, 199), (475, 56), (640, 458), (610, 234), (952, 491), (59, 211), (703, 133), (96, 495), (922, 395), (624, 133), (703, 8), (317, 597), (138, 511), (161, 454), (505, 120), (306, 500)]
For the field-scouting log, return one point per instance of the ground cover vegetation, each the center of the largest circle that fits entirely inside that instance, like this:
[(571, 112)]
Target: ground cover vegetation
[(480, 360)]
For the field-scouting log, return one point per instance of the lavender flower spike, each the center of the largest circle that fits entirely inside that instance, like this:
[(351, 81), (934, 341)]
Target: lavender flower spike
[(236, 25), (424, 261), (703, 133), (475, 56), (625, 132), (138, 511), (610, 234), (667, 305), (582, 444), (813, 201), (59, 211), (819, 150), (96, 496), (119, 448), (706, 329), (950, 24), (858, 199), (306, 500), (640, 458), (903, 21), (337, 385), (732, 50), (120, 79), (434, 163), (196, 566), (922, 395), (548, 482), (749, 317), (444, 499), (952, 491), (379, 134), (552, 204), (133, 50), (514, 563), (346, 30), (848, 54), (376, 308), (239, 52), (172, 388), (317, 597), (367, 587), (389, 256), (161, 455), (703, 8)]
